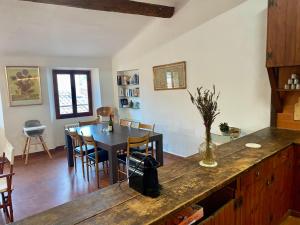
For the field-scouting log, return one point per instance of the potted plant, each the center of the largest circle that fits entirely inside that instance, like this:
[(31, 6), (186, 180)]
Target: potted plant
[(206, 102), (224, 128)]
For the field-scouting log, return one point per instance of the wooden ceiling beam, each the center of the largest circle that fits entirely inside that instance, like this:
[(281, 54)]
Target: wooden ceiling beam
[(121, 6)]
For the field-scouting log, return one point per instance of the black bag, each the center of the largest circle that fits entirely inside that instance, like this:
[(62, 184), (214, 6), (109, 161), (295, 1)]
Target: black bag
[(143, 177)]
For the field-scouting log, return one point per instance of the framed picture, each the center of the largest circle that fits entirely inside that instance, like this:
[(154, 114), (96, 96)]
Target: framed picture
[(170, 76), (24, 85)]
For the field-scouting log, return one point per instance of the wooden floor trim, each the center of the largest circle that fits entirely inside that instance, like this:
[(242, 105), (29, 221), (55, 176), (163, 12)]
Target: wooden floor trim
[(294, 213), (59, 148)]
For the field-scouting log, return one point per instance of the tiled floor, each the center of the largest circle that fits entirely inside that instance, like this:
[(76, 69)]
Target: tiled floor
[(45, 183)]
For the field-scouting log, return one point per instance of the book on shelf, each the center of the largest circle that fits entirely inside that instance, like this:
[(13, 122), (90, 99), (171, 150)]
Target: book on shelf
[(128, 92), (123, 80)]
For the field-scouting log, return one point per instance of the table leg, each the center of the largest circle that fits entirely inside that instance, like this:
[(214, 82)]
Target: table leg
[(113, 166), (69, 147), (159, 150)]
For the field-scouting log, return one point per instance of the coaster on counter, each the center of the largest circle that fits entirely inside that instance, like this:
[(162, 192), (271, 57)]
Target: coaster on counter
[(253, 145)]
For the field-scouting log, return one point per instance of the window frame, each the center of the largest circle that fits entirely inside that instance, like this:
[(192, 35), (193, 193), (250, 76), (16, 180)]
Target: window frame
[(72, 73)]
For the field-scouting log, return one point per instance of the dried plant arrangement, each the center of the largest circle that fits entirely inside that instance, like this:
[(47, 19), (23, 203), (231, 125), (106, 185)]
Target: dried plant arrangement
[(206, 102)]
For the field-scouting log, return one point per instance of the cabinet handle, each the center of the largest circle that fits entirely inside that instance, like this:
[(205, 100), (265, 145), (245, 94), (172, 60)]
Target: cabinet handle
[(269, 55), (257, 174), (238, 202), (272, 3), (268, 182), (272, 178)]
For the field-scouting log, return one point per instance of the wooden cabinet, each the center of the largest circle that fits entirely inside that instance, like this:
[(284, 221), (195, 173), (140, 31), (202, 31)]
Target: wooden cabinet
[(283, 52), (261, 196), (224, 216), (255, 195), (282, 184), (266, 190), (283, 43), (296, 193)]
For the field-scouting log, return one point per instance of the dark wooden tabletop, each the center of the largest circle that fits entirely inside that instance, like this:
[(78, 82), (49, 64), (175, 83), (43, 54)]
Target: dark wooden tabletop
[(117, 140), (184, 183), (118, 137)]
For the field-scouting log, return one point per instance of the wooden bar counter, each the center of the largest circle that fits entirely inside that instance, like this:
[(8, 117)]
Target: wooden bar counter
[(186, 183)]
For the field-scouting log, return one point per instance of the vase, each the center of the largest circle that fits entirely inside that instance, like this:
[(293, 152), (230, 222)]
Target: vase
[(207, 149)]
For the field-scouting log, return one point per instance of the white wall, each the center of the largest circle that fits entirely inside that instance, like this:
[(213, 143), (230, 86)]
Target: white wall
[(223, 43), (1, 114), (14, 117)]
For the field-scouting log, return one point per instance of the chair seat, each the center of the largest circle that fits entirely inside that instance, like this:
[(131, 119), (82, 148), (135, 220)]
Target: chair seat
[(3, 185), (141, 149), (102, 156), (89, 148)]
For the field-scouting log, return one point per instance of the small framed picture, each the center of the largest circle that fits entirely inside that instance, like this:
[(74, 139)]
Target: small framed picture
[(170, 76), (24, 85)]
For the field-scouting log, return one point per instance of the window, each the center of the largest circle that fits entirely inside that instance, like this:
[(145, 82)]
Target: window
[(72, 93)]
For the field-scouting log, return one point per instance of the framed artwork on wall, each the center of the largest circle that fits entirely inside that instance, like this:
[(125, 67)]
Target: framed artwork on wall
[(170, 76), (24, 85)]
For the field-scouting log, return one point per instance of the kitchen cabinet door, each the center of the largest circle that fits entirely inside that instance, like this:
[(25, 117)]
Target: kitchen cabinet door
[(296, 191), (283, 41), (226, 215)]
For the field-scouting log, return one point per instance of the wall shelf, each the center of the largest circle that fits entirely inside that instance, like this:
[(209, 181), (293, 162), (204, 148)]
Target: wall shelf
[(288, 90), (128, 89)]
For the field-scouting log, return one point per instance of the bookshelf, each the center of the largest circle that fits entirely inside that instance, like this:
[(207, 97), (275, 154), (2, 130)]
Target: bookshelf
[(128, 89)]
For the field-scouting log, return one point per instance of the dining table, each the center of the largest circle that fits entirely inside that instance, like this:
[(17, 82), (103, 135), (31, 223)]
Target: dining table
[(112, 142)]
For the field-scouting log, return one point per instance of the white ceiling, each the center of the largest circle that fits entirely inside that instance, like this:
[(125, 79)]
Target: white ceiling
[(47, 30)]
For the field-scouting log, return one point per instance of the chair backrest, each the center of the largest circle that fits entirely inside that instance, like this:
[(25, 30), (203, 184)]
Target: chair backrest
[(136, 142), (89, 140), (105, 112), (148, 127), (91, 122), (32, 123), (10, 153), (76, 139), (73, 125), (7, 149), (125, 123), (3, 140)]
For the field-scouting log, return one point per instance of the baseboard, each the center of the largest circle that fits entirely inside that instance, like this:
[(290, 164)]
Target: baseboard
[(294, 213), (59, 148), (173, 155)]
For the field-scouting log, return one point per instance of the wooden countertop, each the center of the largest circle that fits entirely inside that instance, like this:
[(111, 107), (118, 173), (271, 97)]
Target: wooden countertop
[(184, 183)]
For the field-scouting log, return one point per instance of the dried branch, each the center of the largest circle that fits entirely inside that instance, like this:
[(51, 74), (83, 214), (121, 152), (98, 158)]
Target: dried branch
[(206, 102)]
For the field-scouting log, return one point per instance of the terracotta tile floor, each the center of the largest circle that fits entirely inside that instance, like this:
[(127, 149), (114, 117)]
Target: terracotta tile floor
[(45, 183)]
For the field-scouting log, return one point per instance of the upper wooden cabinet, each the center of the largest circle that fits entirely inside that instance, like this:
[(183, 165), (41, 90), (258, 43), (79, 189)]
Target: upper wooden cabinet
[(283, 41)]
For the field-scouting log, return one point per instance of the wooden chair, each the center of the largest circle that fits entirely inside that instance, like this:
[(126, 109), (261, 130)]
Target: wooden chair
[(125, 123), (91, 122), (6, 187), (93, 159), (79, 149), (148, 127), (134, 144), (105, 112)]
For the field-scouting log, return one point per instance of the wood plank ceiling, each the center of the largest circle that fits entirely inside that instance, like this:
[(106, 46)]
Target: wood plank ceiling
[(121, 6)]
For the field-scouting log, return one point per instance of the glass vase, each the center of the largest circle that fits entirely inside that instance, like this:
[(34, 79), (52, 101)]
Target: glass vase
[(207, 151)]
